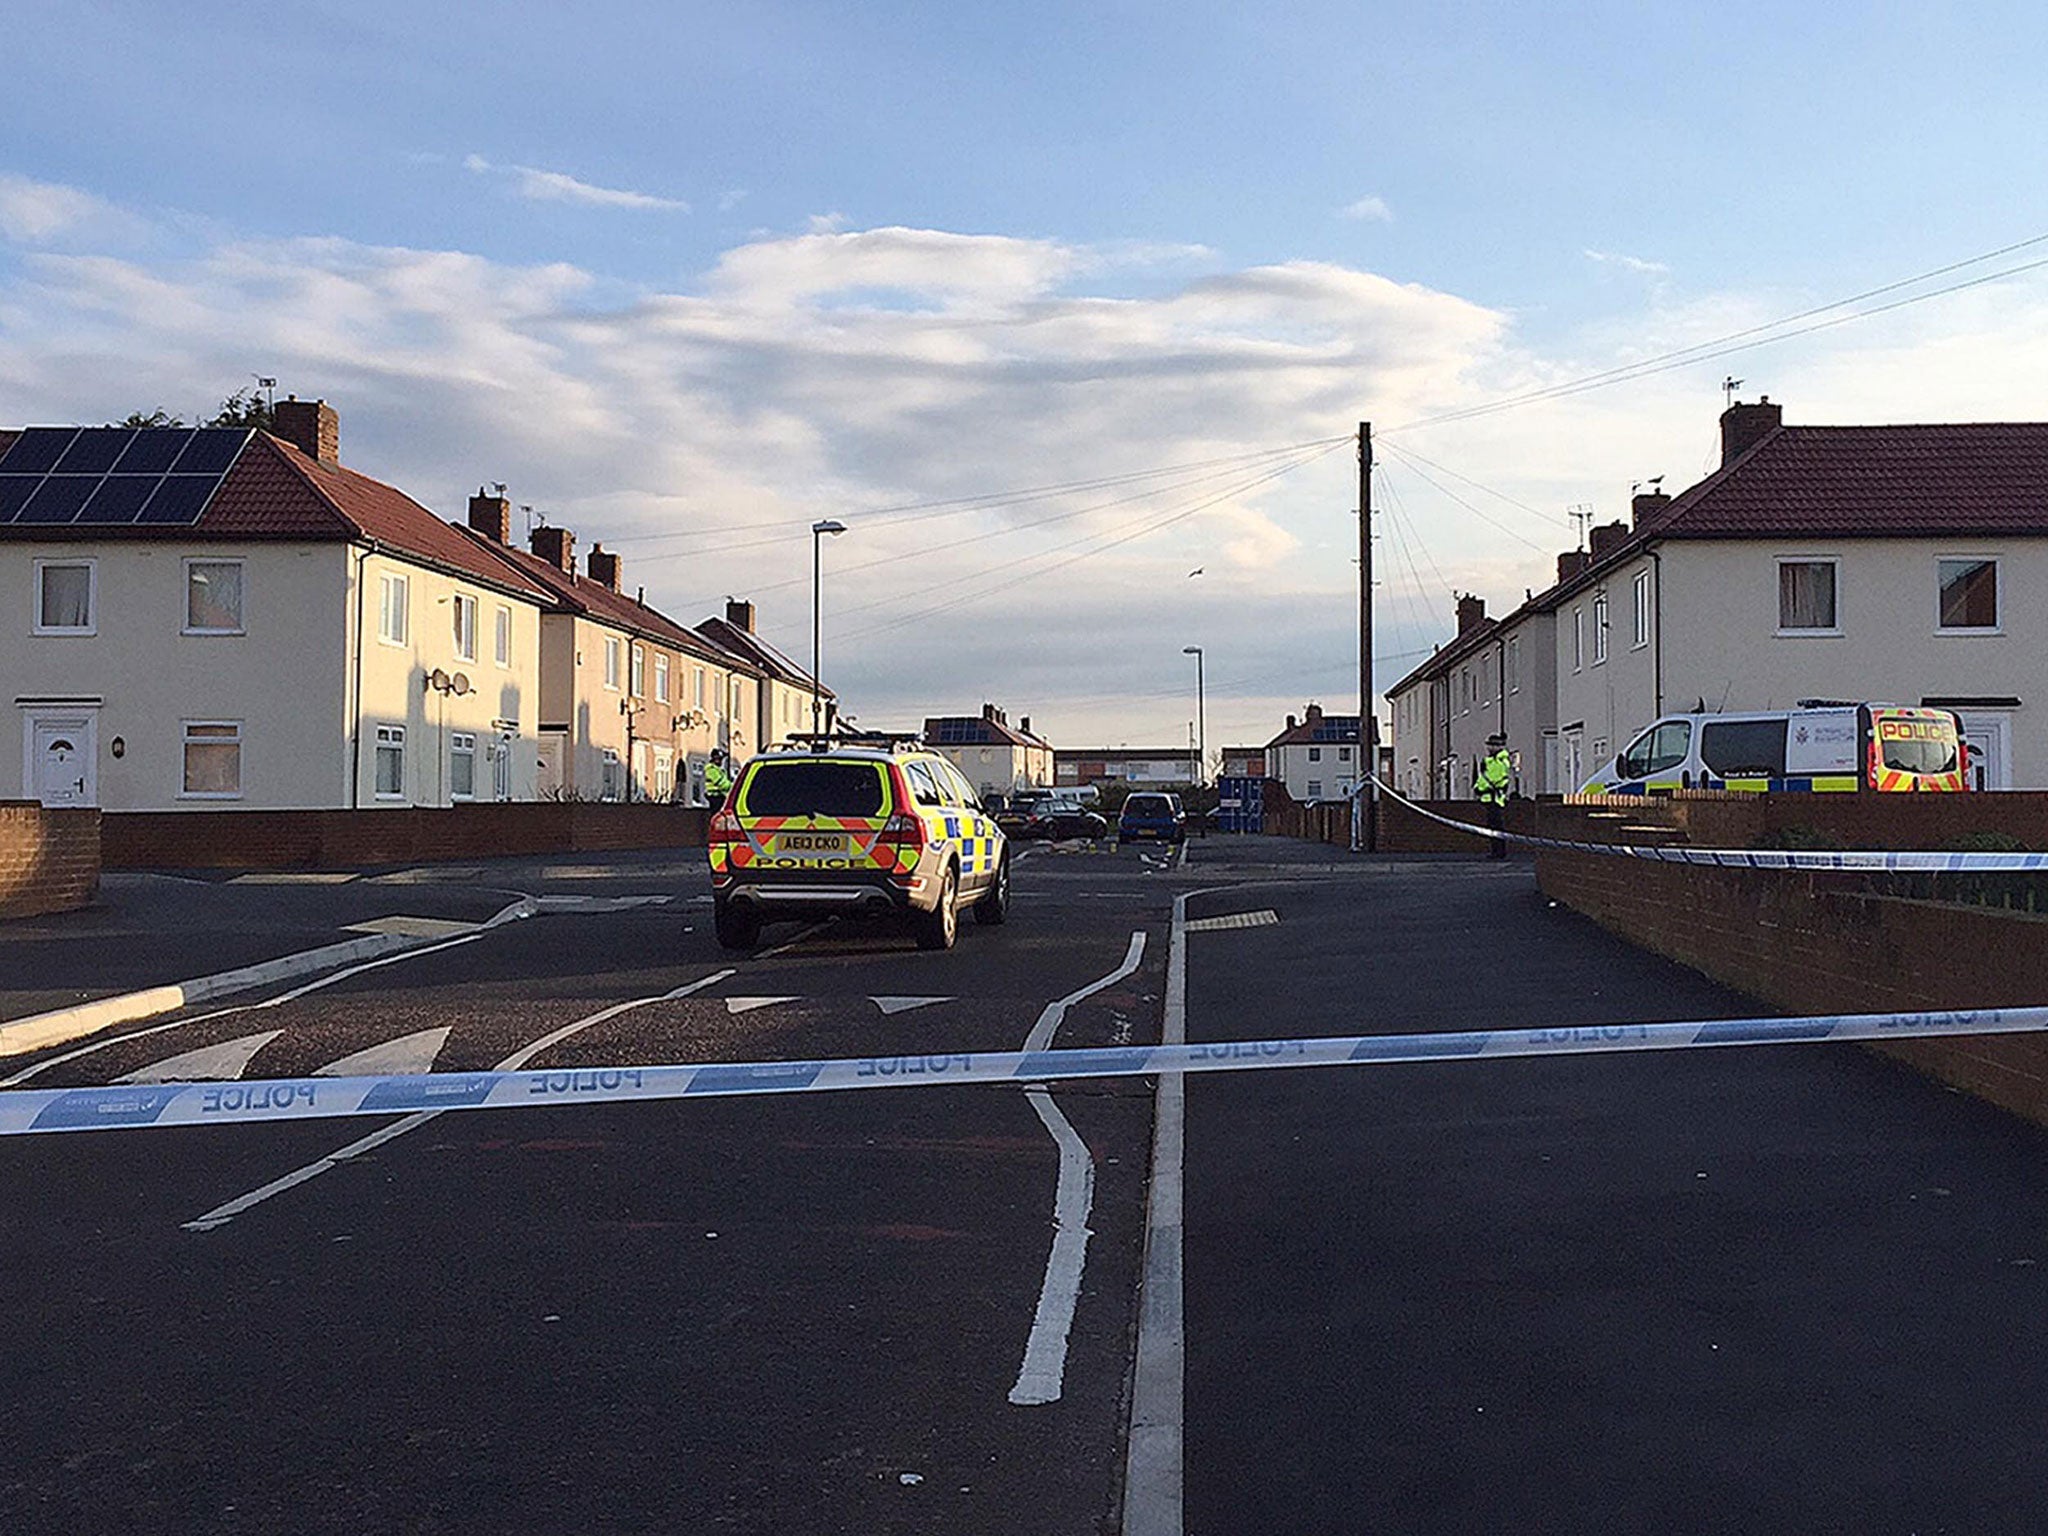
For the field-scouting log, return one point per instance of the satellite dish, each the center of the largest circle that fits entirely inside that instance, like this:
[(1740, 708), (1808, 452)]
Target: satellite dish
[(459, 685), (438, 680)]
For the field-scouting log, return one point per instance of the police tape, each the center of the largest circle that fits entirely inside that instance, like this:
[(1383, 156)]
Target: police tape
[(44, 1111), (1894, 861)]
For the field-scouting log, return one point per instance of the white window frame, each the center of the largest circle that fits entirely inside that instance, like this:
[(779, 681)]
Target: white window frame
[(400, 584), (463, 617), (1997, 565), (390, 736), (1599, 628), (241, 626), (501, 641), (91, 626), (1512, 664), (700, 688), (614, 663), (637, 674), (186, 727), (1578, 639), (661, 673), (1818, 631), (1642, 610), (461, 744)]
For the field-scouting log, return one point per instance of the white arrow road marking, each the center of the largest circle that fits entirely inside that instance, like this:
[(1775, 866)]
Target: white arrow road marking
[(412, 927), (1041, 1378), (905, 1004), (405, 1056), (210, 1063), (221, 1215), (749, 1004)]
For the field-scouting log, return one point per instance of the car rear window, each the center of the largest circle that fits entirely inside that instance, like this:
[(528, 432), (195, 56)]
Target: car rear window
[(806, 787), (1148, 805)]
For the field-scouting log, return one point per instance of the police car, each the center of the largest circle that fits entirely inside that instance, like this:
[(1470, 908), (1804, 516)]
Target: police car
[(863, 825)]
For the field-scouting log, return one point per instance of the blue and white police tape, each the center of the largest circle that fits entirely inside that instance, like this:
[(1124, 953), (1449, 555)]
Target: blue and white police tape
[(25, 1112), (1896, 861)]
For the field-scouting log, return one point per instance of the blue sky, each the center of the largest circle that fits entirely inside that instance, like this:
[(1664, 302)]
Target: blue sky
[(671, 268)]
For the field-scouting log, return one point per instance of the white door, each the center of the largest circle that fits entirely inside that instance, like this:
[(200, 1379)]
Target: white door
[(549, 783), (1989, 738), (62, 759), (501, 768)]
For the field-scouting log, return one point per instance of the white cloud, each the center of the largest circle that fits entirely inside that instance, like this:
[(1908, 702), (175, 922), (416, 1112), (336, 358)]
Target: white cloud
[(39, 212), (557, 187), (1628, 263), (846, 372), (1374, 208)]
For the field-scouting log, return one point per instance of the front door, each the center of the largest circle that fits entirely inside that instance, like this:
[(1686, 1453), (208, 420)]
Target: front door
[(550, 782), (1989, 738), (62, 760)]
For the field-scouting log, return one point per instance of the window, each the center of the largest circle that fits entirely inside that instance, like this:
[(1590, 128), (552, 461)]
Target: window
[(213, 597), (1578, 639), (1512, 666), (611, 664), (1806, 595), (213, 760), (1315, 789), (1640, 636), (1315, 754), (461, 765), (1969, 594), (697, 688), (1599, 628), (922, 784), (391, 759), (639, 671), (465, 627), (503, 650), (393, 610), (1343, 754), (1744, 748), (1662, 747), (67, 594), (661, 679)]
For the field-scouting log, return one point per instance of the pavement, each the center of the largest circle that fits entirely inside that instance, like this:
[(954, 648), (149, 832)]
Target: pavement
[(1794, 1289)]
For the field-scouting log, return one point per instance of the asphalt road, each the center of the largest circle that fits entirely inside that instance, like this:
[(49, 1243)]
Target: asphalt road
[(1796, 1289)]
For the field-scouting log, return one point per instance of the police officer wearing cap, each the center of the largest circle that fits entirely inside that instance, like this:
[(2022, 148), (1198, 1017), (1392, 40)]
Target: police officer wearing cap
[(717, 780), (1490, 781)]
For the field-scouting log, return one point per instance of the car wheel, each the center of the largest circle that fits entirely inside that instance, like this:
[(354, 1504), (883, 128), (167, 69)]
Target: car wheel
[(737, 927), (936, 929), (995, 905)]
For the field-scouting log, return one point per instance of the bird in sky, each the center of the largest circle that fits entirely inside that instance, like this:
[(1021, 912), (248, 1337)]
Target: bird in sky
[(1196, 572)]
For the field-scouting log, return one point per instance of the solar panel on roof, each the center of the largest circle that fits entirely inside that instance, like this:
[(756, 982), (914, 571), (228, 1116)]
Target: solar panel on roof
[(112, 476)]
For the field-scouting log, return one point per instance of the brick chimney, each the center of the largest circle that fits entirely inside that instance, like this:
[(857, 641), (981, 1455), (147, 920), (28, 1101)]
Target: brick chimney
[(1024, 725), (1571, 563), (1292, 722), (557, 546), (1471, 612), (602, 566), (309, 426), (739, 615), (491, 516), (1647, 506), (1314, 715), (990, 713), (1744, 426), (1607, 537)]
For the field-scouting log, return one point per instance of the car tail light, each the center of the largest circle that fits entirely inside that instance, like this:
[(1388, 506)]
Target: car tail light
[(725, 827)]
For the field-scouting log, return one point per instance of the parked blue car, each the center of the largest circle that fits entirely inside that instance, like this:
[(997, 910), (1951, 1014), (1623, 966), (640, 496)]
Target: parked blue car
[(1157, 817)]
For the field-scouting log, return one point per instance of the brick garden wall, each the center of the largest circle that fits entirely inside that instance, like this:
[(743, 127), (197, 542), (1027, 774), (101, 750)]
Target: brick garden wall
[(49, 860), (366, 839)]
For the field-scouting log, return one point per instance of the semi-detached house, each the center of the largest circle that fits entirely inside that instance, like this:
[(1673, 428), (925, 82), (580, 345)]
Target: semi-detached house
[(216, 618), (1894, 563), (786, 696)]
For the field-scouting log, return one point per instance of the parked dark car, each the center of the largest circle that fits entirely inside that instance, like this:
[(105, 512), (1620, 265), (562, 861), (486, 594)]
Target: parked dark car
[(1059, 820), (1154, 817)]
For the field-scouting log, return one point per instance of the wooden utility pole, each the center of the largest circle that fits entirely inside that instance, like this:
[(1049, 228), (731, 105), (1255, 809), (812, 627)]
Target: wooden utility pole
[(1365, 833)]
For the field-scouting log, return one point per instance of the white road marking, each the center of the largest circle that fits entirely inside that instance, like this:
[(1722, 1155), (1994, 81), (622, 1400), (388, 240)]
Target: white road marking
[(905, 1004), (302, 878), (412, 927), (210, 1063), (749, 1004), (404, 1056), (1042, 1376), (1264, 918), (221, 1215)]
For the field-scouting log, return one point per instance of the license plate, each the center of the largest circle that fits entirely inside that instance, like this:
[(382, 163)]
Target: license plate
[(812, 844)]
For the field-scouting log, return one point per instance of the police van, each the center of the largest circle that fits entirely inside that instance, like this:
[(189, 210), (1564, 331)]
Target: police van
[(1818, 748)]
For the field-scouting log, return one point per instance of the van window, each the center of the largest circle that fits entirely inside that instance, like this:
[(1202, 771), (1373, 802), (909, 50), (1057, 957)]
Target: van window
[(1663, 746), (806, 787), (1748, 748)]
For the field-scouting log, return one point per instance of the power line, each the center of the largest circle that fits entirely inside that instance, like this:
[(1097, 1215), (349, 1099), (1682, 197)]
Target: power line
[(1484, 517)]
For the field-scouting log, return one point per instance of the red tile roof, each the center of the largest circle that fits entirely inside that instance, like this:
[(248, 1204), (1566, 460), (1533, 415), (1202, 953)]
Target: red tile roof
[(745, 642), (595, 600)]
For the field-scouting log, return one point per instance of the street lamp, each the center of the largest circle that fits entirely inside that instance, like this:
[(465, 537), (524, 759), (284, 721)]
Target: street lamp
[(818, 531), (1201, 718)]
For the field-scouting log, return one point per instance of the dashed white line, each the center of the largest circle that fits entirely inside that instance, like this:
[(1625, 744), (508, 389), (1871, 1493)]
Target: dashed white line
[(1042, 1375), (221, 1215)]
